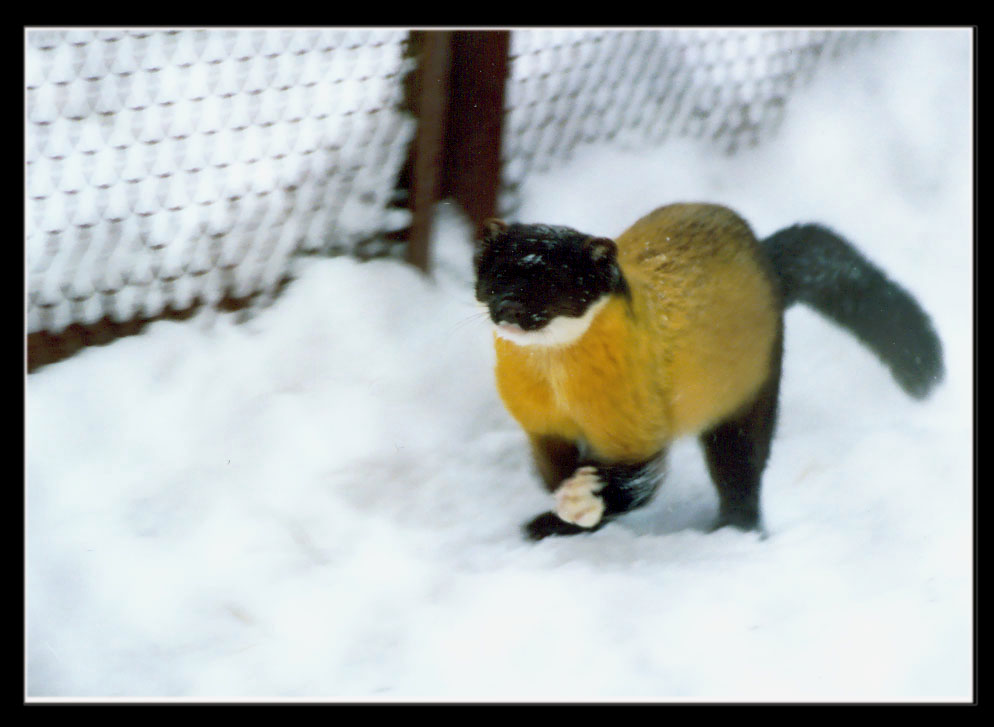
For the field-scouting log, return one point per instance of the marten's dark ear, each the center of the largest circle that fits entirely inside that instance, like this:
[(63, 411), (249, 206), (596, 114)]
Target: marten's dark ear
[(600, 248), (490, 230), (492, 227)]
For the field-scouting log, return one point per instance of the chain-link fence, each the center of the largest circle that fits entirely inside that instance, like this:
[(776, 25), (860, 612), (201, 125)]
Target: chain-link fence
[(569, 88), (168, 167), (171, 168)]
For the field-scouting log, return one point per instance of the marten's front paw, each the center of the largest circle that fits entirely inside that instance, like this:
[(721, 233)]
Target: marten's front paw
[(577, 500), (548, 523), (579, 509)]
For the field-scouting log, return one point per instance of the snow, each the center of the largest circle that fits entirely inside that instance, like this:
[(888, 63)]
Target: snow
[(324, 502)]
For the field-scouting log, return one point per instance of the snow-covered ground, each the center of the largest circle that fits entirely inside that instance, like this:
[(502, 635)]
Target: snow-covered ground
[(324, 502)]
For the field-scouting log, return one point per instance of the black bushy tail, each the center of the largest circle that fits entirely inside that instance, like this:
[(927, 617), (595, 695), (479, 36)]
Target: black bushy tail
[(820, 268)]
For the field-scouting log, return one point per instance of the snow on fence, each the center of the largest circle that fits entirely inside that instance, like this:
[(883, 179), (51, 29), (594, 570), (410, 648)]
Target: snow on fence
[(168, 169)]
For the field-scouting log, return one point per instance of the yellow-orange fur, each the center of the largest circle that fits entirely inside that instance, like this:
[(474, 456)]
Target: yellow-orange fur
[(692, 345)]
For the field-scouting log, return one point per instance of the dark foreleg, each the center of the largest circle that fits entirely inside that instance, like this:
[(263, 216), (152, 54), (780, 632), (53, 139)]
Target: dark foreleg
[(555, 458)]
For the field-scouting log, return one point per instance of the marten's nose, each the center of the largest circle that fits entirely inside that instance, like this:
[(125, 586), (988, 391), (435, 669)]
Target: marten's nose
[(508, 310)]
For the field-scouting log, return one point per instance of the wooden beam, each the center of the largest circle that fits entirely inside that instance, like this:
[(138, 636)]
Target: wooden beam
[(475, 121), (428, 149)]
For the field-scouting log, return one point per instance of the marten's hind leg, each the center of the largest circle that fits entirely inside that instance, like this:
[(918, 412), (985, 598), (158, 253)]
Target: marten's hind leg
[(737, 451)]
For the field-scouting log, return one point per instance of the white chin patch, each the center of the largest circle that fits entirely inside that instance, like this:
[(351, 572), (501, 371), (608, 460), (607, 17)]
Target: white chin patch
[(560, 331)]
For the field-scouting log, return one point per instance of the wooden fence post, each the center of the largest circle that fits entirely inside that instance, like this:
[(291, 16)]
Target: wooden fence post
[(427, 150), (458, 98), (476, 121)]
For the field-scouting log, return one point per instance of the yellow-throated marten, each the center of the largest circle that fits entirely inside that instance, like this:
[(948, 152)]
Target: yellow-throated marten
[(609, 350)]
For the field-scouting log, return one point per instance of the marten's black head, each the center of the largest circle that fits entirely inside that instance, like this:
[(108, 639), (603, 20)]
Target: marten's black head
[(542, 284)]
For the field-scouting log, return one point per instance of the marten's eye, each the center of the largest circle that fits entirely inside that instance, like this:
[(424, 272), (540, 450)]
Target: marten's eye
[(532, 260)]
